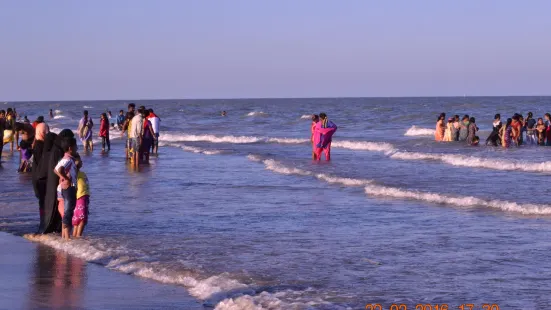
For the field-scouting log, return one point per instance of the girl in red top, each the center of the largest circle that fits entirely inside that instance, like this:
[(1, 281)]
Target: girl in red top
[(104, 132)]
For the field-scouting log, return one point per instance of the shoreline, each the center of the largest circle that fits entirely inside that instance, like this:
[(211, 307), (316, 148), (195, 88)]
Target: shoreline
[(39, 276)]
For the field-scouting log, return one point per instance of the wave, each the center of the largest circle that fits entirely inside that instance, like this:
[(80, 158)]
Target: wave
[(465, 201), (59, 116), (287, 140), (385, 191), (258, 113), (280, 168), (88, 107), (221, 290), (169, 137), (192, 149), (58, 112), (418, 131), (476, 162), (127, 261), (364, 146), (306, 116)]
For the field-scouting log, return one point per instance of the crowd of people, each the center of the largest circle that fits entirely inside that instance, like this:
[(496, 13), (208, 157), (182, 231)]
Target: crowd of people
[(60, 185), (456, 130), (515, 131)]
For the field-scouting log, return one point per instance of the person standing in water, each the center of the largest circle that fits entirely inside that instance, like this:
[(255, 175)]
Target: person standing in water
[(464, 129), (472, 129), (9, 129), (547, 123), (85, 131), (155, 124), (315, 120), (440, 128), (507, 133), (80, 215), (323, 136), (104, 133), (540, 131), (2, 127), (120, 119), (531, 135), (456, 127), (51, 114), (448, 134), (136, 130)]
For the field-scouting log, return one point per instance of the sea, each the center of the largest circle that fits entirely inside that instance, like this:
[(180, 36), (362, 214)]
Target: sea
[(234, 210)]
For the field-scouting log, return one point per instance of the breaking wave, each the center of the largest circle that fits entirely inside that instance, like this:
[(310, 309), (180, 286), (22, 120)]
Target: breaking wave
[(461, 201), (418, 131), (280, 168), (257, 113), (221, 291), (192, 149), (306, 116), (476, 162)]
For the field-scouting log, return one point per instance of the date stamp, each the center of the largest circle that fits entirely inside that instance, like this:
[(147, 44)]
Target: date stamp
[(483, 306)]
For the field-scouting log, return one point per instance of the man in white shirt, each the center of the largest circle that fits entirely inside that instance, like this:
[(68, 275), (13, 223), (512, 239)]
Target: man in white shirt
[(136, 132), (155, 124)]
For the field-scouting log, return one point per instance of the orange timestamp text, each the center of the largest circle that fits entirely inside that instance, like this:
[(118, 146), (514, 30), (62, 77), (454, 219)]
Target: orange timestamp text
[(433, 307)]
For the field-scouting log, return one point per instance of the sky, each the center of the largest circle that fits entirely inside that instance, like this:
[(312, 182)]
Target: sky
[(137, 49)]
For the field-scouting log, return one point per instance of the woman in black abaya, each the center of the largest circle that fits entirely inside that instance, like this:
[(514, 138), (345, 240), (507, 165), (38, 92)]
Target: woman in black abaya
[(51, 221)]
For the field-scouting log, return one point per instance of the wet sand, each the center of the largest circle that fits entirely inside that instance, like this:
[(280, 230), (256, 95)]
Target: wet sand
[(35, 276)]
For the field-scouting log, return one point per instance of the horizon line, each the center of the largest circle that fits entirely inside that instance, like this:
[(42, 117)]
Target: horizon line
[(268, 98)]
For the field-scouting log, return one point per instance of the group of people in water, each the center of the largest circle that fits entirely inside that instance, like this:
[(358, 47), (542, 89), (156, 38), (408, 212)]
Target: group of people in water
[(322, 130), (515, 131), (456, 130), (60, 185)]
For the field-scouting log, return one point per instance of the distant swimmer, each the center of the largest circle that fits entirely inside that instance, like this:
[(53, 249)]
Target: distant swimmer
[(51, 113), (224, 113), (323, 136)]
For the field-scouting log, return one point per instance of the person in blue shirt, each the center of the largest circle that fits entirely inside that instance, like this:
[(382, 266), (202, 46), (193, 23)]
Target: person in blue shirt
[(120, 119)]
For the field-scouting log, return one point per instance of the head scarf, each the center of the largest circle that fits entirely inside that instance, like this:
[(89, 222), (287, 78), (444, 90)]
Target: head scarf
[(41, 131)]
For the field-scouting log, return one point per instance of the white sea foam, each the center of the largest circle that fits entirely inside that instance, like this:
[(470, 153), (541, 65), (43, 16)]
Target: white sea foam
[(58, 112), (306, 116), (418, 131), (465, 201), (192, 149), (364, 146), (287, 140), (477, 162), (280, 168), (88, 107), (172, 137), (257, 113), (59, 116), (121, 259)]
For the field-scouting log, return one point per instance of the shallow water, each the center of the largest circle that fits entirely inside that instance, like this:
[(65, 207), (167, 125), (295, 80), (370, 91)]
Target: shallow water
[(234, 210)]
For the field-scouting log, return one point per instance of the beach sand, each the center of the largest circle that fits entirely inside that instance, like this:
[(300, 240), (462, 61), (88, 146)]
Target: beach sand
[(35, 276)]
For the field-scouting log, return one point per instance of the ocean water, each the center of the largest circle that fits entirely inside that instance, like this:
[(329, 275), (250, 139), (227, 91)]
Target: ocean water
[(235, 211)]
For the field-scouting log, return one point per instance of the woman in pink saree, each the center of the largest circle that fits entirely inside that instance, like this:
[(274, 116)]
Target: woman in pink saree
[(323, 134)]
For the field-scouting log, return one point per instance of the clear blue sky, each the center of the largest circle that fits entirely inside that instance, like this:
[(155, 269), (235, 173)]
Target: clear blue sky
[(131, 49)]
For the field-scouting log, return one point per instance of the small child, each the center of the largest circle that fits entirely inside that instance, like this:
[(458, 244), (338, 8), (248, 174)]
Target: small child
[(80, 216), (67, 171), (25, 150)]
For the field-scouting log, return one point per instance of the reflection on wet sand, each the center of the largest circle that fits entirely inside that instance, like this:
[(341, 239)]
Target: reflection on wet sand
[(58, 280)]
